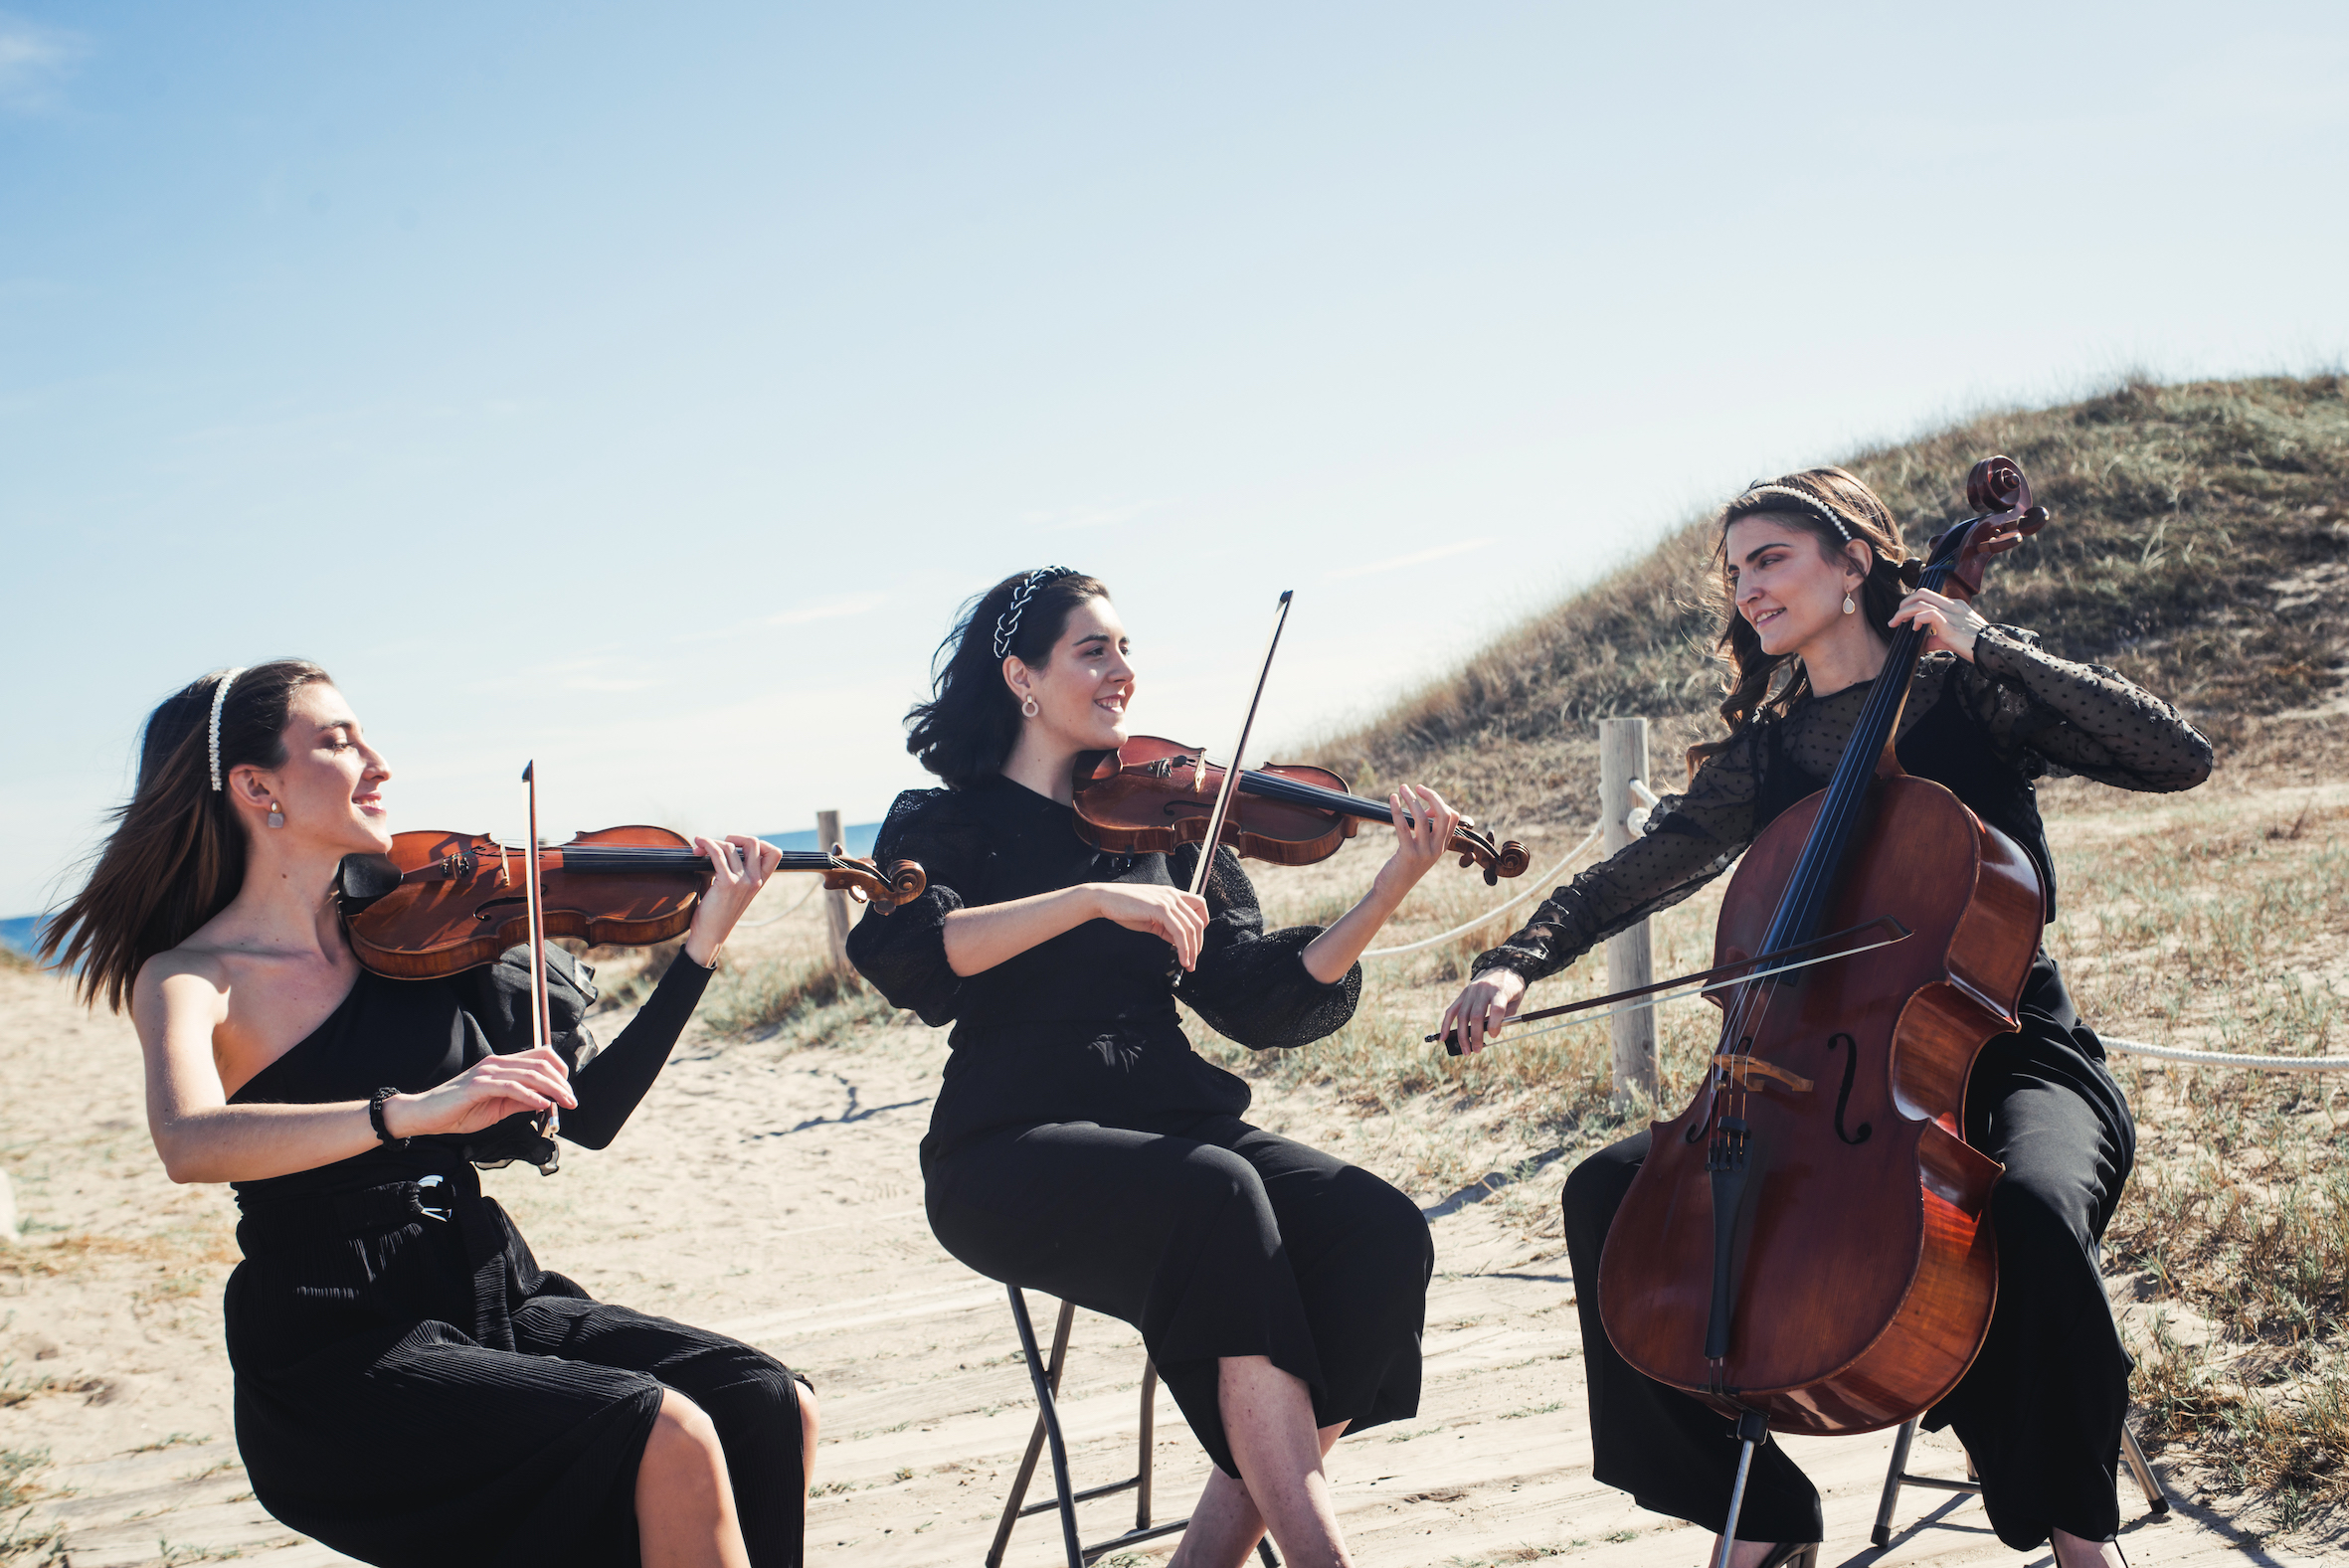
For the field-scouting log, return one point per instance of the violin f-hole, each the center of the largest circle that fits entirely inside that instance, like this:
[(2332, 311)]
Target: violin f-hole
[(1842, 1096), (481, 912)]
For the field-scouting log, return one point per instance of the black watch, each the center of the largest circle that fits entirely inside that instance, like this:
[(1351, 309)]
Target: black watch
[(375, 1103)]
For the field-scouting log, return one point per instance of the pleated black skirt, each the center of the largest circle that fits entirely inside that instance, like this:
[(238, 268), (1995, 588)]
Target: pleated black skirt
[(411, 1389), (1215, 1238)]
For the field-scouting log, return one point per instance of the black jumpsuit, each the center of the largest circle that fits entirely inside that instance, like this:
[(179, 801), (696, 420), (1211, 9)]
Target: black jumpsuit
[(1081, 1147), (2041, 1410), (411, 1387)]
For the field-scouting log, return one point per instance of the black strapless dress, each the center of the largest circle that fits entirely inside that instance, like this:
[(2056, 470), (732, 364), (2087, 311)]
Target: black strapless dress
[(410, 1386)]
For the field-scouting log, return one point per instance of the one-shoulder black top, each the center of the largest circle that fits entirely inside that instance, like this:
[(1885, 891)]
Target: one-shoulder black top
[(413, 1035), (1083, 1027)]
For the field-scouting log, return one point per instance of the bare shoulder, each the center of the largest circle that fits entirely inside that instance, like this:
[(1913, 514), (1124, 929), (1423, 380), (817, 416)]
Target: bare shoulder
[(189, 980)]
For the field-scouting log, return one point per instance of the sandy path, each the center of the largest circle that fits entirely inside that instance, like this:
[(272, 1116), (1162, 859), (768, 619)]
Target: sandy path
[(775, 1196)]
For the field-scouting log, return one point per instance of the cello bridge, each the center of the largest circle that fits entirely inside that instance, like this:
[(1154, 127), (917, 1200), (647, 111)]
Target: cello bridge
[(1742, 1071)]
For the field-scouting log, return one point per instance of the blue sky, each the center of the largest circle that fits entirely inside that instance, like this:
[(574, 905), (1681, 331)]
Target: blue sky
[(641, 389)]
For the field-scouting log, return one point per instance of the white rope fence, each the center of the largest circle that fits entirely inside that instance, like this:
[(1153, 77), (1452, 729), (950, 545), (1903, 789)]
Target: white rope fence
[(2263, 1064), (1540, 884), (1633, 820)]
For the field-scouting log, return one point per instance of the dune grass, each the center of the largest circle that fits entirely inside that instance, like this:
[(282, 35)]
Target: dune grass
[(2199, 542)]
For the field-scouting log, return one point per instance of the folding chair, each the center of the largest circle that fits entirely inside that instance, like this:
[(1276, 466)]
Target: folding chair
[(2157, 1501), (1046, 1379)]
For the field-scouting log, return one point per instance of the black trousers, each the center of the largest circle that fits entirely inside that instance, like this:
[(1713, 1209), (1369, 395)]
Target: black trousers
[(2041, 1410), (1215, 1238), (427, 1396)]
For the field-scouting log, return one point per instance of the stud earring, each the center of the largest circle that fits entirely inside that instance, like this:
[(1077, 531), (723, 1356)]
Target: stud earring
[(276, 815), (1848, 607), (1030, 708)]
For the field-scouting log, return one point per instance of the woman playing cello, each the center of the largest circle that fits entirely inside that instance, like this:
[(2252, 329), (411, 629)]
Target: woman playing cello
[(1812, 588), (1079, 1145), (410, 1386)]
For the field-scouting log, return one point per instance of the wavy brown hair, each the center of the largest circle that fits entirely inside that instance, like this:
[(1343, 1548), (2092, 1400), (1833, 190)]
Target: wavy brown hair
[(1759, 685), (176, 856)]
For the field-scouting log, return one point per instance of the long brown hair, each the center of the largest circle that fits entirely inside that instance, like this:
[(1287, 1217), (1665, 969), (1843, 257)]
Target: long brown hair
[(176, 856), (1762, 685)]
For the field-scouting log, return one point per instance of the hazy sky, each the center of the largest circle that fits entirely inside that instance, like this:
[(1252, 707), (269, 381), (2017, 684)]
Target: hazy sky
[(641, 388)]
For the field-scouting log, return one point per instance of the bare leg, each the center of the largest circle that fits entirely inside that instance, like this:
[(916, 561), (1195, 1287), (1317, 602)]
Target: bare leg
[(1268, 1420), (684, 1502), (807, 1437), (1745, 1554), (1225, 1526), (2073, 1552)]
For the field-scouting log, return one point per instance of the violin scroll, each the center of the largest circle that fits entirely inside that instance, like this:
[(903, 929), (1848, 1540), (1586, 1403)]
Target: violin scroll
[(898, 882), (1506, 859)]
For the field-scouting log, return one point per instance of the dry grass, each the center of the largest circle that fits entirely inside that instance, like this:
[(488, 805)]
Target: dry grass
[(2206, 924), (21, 1542), (2201, 533)]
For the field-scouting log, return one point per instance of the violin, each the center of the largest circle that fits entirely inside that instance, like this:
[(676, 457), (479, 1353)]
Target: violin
[(1807, 1246), (1152, 794), (443, 903)]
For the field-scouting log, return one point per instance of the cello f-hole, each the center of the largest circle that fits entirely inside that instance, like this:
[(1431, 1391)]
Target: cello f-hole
[(1842, 1096)]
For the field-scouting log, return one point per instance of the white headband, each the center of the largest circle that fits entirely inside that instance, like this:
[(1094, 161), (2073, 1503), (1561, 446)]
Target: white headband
[(1007, 623), (220, 700), (1806, 502)]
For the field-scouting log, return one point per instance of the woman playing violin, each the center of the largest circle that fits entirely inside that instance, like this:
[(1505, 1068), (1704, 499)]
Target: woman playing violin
[(411, 1387), (1079, 1145), (1812, 586)]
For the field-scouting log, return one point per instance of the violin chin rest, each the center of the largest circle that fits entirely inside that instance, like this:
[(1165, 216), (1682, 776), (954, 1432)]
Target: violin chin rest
[(363, 879)]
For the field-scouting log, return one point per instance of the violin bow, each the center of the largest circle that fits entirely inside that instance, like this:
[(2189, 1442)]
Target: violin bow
[(1885, 928), (1231, 775), (534, 901)]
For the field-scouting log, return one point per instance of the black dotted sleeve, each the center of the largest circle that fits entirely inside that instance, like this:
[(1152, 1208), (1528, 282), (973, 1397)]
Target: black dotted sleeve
[(903, 951), (2078, 718), (1689, 840), (1251, 986)]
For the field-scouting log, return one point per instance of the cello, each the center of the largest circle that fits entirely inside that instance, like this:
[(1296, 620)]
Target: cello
[(1807, 1248)]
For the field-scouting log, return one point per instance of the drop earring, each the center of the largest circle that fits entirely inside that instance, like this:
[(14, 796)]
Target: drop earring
[(1030, 708), (1848, 607), (276, 815)]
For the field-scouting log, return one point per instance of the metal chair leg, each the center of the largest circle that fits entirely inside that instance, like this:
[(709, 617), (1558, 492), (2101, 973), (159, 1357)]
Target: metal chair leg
[(2157, 1501), (1142, 1466), (1882, 1533), (1012, 1512), (2157, 1497), (1047, 1386)]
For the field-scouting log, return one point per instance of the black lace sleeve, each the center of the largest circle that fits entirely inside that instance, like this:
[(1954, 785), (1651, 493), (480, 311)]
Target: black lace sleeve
[(2079, 718), (1251, 986), (1689, 840), (903, 951)]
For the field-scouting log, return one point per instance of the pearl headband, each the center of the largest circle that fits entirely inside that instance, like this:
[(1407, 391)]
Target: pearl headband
[(1007, 623), (1804, 501), (220, 700)]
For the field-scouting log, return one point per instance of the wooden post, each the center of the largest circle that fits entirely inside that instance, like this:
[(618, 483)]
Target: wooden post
[(835, 900), (1623, 757)]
